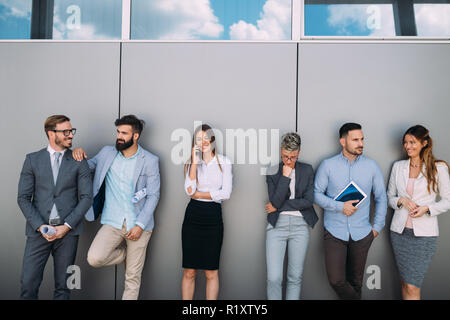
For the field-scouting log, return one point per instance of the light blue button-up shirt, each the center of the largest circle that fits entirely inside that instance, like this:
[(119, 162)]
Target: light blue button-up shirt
[(119, 191), (332, 176)]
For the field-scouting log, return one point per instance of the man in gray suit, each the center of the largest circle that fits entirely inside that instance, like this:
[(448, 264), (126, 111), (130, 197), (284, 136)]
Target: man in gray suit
[(54, 194), (126, 192)]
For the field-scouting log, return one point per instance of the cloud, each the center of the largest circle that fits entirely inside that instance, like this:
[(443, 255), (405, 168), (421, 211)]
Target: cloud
[(275, 23), (350, 20), (85, 32), (86, 20), (177, 20), (432, 19), (17, 8)]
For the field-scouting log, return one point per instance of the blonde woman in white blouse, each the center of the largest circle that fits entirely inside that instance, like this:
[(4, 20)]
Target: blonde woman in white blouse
[(413, 188), (208, 181)]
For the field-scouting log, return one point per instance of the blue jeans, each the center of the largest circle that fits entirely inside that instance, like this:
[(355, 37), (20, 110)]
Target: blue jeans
[(294, 232)]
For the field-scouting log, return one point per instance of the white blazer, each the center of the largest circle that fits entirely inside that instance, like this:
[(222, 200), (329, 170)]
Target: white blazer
[(426, 225)]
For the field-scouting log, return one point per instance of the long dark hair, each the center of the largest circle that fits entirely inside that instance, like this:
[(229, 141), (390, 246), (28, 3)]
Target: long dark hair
[(212, 138), (426, 155)]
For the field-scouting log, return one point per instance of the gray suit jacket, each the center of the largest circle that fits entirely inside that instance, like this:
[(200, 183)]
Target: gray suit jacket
[(279, 193), (146, 175), (37, 192)]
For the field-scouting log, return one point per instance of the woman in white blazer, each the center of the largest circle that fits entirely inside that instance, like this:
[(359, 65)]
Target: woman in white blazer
[(413, 187)]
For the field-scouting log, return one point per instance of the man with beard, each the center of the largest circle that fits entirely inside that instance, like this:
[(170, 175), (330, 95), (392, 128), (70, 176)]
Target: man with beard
[(126, 192), (54, 194), (348, 232)]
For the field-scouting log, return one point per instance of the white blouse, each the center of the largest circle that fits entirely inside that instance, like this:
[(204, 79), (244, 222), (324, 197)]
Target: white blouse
[(211, 179), (296, 213)]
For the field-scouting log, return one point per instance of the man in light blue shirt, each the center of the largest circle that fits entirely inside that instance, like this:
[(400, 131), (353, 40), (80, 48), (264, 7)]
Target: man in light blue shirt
[(348, 230), (119, 190), (126, 192)]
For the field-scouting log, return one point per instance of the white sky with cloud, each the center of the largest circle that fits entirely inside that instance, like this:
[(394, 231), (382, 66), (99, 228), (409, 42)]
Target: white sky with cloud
[(97, 20), (347, 19), (85, 32), (195, 19), (182, 19), (275, 23), (19, 8), (432, 20)]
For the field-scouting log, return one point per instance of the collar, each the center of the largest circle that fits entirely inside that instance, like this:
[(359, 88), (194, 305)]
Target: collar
[(133, 156), (213, 160), (346, 159), (52, 151)]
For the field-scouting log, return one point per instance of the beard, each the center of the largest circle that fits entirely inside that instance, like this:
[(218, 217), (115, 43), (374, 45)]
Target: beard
[(64, 142), (124, 145), (355, 152)]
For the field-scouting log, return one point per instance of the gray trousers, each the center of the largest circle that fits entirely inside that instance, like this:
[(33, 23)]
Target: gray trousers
[(291, 232), (37, 252)]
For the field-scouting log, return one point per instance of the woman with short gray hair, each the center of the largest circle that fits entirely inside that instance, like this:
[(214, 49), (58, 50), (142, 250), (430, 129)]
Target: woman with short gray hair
[(291, 142), (290, 217)]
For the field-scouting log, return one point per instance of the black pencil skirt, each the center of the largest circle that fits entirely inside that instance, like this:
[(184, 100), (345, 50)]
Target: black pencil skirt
[(202, 235)]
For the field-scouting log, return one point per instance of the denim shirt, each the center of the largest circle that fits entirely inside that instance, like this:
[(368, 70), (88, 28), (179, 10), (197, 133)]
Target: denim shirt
[(119, 192), (332, 176)]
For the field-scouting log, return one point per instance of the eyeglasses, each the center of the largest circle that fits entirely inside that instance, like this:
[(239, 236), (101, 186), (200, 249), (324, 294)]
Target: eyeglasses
[(289, 158), (67, 132)]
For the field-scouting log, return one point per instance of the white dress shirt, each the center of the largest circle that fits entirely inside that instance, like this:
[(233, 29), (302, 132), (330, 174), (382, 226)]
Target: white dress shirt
[(52, 155), (426, 225), (292, 196), (211, 179), (52, 160)]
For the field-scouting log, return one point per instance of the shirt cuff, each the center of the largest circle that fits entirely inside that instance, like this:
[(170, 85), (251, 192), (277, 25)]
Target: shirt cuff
[(66, 224), (431, 211), (215, 194), (339, 206), (192, 184), (377, 228), (140, 225)]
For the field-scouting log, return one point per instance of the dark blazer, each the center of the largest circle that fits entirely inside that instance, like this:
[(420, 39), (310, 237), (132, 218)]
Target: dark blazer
[(37, 192), (279, 193)]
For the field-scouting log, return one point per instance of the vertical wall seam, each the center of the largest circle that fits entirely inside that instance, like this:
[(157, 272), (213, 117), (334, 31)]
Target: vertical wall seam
[(120, 78), (296, 89), (120, 98)]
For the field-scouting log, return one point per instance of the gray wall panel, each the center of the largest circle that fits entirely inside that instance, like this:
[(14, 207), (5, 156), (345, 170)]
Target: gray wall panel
[(387, 88), (37, 80), (229, 86)]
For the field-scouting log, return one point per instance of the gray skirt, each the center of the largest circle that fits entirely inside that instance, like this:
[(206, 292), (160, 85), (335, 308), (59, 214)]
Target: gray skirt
[(413, 255)]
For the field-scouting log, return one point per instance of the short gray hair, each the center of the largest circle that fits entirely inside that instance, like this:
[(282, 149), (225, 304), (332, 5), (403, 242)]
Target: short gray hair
[(291, 141)]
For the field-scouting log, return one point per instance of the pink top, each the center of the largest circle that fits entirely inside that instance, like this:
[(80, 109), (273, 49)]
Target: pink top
[(410, 190)]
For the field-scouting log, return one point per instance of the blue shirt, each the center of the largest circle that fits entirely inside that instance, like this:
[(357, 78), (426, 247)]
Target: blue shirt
[(119, 191), (332, 176)]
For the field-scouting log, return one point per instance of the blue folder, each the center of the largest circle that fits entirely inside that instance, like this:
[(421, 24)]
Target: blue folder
[(351, 192)]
